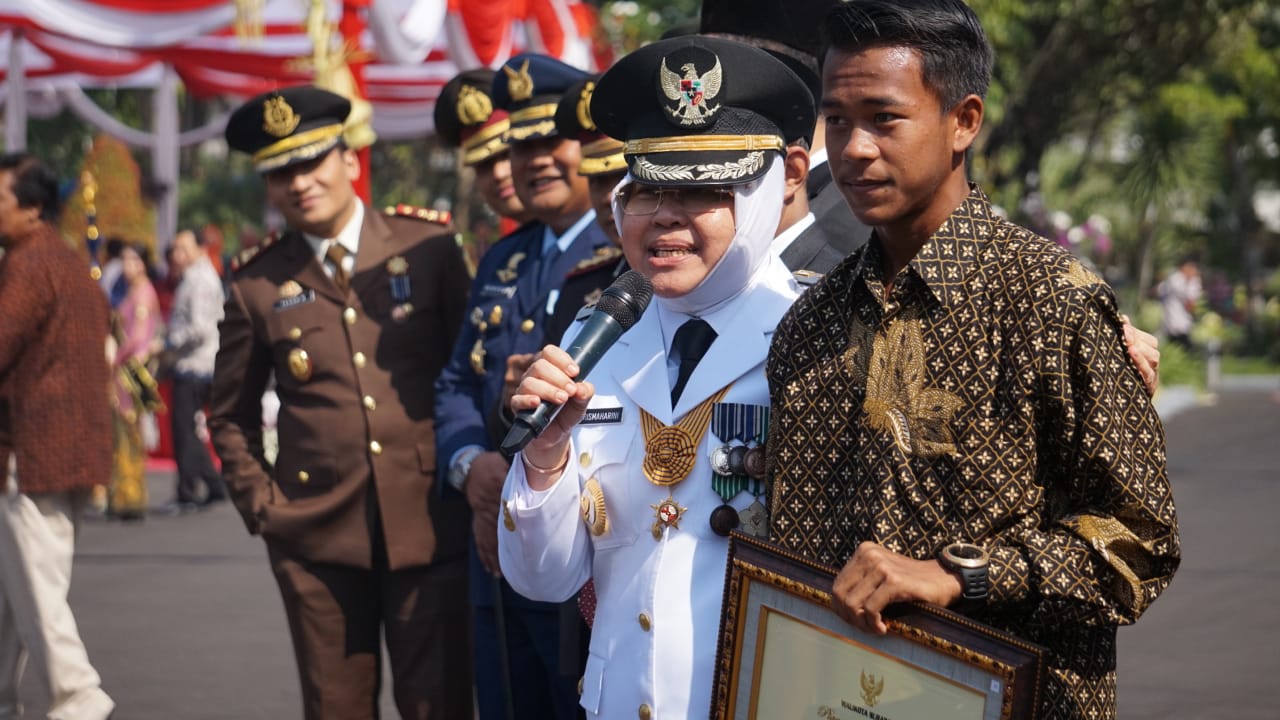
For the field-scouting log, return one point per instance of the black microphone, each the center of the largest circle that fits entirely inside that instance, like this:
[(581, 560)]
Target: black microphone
[(619, 307)]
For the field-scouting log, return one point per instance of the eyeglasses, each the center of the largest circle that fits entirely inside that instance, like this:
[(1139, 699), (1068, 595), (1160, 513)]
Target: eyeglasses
[(645, 200)]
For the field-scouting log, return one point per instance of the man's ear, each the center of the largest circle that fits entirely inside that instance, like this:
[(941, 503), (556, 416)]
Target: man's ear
[(352, 162), (968, 115), (796, 166)]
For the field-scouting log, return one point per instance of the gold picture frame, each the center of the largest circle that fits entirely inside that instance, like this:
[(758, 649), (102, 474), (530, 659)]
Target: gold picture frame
[(783, 652)]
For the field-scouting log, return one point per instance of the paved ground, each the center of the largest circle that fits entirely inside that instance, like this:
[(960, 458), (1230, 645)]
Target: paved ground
[(183, 619)]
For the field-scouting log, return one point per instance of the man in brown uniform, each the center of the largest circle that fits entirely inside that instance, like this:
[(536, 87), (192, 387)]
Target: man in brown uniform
[(355, 313)]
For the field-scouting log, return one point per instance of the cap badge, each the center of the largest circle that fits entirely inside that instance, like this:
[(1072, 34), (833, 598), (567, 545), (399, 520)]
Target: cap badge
[(691, 92), (474, 106), (519, 83), (278, 117), (584, 107)]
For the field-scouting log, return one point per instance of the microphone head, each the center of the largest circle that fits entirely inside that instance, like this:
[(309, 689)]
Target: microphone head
[(626, 299)]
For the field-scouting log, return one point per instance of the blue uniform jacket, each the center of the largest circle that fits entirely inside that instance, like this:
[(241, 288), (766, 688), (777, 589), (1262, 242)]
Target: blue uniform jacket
[(506, 312)]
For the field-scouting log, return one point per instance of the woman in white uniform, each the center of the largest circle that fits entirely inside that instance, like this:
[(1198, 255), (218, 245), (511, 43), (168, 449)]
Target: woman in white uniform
[(639, 479)]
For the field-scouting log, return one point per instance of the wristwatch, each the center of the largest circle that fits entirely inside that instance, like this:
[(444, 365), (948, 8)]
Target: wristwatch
[(970, 563), (461, 467)]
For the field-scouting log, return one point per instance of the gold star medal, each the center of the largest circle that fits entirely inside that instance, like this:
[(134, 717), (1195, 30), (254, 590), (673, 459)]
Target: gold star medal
[(668, 514)]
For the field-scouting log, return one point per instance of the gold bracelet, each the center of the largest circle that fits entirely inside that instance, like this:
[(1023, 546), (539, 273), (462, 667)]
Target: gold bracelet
[(546, 471)]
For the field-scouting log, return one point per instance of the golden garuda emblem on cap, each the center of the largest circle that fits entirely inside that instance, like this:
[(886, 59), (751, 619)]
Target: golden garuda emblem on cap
[(474, 106), (278, 117), (584, 107), (692, 92), (519, 82)]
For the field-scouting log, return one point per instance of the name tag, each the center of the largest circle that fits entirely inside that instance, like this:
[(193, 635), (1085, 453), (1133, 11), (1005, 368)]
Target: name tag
[(602, 416), (490, 291), (288, 302)]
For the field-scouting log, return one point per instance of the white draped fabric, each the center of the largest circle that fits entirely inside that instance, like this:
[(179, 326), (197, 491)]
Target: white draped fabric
[(54, 48)]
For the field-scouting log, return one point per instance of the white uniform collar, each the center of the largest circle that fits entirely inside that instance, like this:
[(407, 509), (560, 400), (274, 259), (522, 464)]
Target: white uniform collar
[(565, 240)]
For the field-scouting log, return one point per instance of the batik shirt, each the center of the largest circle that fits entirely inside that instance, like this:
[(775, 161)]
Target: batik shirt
[(986, 398)]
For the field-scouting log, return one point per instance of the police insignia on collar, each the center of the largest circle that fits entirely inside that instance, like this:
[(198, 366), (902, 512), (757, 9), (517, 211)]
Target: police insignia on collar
[(278, 117), (519, 82), (691, 92)]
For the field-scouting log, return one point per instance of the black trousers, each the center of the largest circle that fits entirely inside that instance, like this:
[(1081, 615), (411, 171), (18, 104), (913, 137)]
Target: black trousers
[(195, 466)]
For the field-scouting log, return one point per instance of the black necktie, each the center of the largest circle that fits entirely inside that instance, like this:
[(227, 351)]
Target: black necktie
[(336, 254), (690, 344)]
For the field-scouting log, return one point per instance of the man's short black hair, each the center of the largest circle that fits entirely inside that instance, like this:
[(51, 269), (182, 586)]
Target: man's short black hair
[(956, 56), (34, 184)]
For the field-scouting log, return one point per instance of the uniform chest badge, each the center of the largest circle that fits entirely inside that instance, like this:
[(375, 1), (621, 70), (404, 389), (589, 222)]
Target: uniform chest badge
[(401, 291), (691, 92), (300, 364), (508, 274), (290, 288), (667, 514), (591, 505)]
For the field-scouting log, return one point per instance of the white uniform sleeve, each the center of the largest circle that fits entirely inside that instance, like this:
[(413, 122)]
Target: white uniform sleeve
[(548, 555)]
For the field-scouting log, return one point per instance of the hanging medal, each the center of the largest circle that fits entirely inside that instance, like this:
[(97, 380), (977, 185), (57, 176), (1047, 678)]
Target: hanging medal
[(398, 269), (670, 451), (737, 464), (668, 513)]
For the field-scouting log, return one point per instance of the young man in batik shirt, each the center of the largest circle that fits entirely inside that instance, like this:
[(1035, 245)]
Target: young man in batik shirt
[(955, 419)]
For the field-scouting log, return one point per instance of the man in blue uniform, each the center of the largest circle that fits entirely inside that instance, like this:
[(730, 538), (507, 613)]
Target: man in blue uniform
[(516, 287)]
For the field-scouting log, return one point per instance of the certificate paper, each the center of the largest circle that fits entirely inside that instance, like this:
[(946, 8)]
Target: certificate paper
[(785, 654)]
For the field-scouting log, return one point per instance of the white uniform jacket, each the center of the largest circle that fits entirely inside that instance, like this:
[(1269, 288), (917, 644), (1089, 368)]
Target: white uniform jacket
[(654, 639)]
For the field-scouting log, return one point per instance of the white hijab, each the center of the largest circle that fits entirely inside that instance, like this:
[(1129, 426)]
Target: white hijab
[(757, 209)]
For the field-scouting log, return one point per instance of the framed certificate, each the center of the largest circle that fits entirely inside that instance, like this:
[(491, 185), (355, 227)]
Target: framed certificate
[(784, 653)]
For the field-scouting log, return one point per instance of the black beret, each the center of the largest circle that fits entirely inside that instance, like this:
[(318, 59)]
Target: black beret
[(697, 110), (529, 86), (465, 116), (601, 154), (287, 126)]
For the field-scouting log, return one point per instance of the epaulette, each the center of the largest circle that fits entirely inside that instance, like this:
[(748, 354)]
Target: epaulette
[(603, 256), (807, 278), (439, 217), (248, 255)]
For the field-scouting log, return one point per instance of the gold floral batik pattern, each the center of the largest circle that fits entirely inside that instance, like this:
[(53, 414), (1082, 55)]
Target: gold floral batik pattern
[(986, 397)]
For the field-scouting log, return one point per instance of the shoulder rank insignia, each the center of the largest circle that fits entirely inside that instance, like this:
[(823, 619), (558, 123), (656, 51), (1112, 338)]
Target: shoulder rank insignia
[(440, 217), (806, 277), (249, 254), (603, 256)]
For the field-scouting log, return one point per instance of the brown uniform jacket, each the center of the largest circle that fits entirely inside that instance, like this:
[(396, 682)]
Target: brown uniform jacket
[(354, 374), (53, 366)]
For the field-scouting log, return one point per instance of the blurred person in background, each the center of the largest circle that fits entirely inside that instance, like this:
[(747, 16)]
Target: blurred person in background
[(137, 398), (53, 379), (1179, 294), (191, 344)]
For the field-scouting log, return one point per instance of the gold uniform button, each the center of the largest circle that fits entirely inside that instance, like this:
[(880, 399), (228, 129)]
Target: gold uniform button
[(581, 681), (645, 712), (375, 447), (359, 359), (295, 333), (349, 315), (303, 476), (645, 623), (584, 459), (370, 403), (526, 327)]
